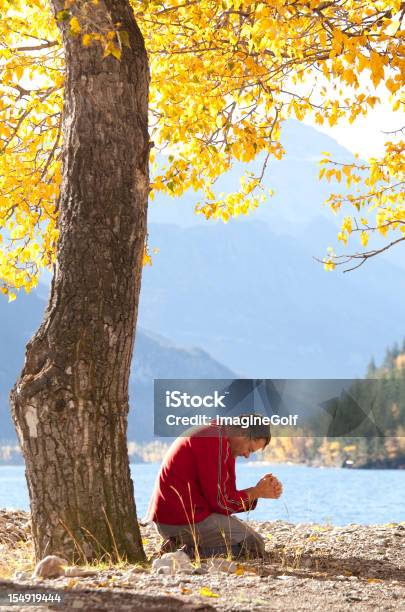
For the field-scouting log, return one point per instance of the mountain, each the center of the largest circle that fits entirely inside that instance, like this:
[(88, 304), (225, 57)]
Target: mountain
[(260, 303), (154, 357), (251, 293)]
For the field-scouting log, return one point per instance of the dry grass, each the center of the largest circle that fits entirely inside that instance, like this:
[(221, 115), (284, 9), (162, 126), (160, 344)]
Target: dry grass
[(20, 558), (16, 558), (17, 555)]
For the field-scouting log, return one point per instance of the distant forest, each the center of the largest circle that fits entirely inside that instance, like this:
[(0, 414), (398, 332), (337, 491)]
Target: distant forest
[(376, 442)]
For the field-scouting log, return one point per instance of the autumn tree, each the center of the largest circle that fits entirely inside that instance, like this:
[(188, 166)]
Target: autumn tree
[(74, 183), (70, 404)]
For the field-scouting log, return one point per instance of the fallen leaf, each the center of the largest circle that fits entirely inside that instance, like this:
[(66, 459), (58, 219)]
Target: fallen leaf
[(207, 593)]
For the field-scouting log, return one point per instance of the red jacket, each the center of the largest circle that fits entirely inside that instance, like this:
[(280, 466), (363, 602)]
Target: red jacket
[(197, 478)]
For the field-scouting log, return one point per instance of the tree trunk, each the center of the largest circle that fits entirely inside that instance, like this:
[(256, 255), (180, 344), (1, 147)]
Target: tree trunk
[(70, 404)]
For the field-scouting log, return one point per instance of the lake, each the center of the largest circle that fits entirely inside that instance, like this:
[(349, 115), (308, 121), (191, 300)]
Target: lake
[(319, 495)]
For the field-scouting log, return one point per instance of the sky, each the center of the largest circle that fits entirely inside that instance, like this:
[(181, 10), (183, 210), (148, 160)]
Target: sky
[(365, 135)]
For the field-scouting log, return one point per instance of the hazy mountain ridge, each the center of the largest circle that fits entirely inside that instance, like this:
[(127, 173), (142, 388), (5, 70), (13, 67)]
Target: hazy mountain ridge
[(251, 293), (154, 357), (260, 303)]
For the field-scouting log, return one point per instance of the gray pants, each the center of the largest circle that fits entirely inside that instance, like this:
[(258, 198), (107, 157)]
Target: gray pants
[(215, 534)]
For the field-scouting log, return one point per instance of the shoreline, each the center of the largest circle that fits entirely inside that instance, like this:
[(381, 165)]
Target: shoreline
[(372, 465), (331, 453), (325, 526)]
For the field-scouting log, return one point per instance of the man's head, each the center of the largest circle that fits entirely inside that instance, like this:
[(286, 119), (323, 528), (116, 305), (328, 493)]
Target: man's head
[(247, 440)]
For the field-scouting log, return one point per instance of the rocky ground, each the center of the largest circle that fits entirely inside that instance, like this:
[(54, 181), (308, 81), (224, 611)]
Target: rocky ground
[(309, 567)]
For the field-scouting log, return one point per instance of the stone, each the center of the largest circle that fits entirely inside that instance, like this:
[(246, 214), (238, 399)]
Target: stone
[(134, 572), (177, 561), (354, 598), (78, 571), (21, 575), (50, 567)]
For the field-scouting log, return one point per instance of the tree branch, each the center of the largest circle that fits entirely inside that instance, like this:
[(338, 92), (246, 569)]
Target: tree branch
[(36, 47)]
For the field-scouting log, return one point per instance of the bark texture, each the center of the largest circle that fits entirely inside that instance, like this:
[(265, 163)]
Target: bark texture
[(70, 404)]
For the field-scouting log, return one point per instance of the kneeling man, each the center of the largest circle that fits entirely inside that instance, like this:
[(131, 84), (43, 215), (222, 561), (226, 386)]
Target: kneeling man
[(195, 494)]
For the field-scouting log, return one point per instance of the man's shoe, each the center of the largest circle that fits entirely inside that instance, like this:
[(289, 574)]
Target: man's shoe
[(169, 545), (189, 549)]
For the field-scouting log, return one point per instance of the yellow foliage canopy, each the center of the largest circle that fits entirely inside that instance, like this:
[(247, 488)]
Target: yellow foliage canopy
[(225, 75)]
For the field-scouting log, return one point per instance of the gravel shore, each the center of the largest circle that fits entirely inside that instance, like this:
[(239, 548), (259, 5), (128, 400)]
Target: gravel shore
[(310, 567)]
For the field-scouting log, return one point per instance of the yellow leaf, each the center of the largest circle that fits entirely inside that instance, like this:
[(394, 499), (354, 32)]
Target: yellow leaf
[(124, 38), (75, 27), (111, 49), (147, 259), (393, 28), (329, 265), (205, 592), (364, 238), (86, 40), (116, 52), (11, 297), (71, 583)]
